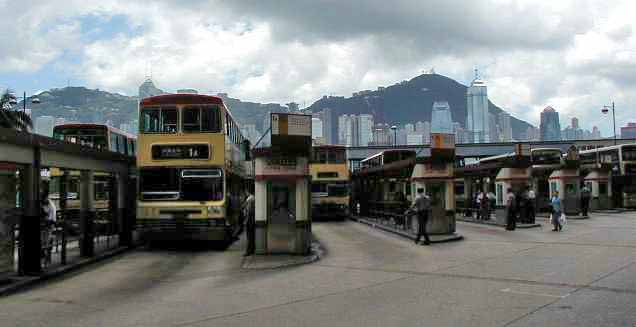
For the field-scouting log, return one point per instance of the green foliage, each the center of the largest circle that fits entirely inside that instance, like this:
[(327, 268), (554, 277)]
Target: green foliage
[(14, 119)]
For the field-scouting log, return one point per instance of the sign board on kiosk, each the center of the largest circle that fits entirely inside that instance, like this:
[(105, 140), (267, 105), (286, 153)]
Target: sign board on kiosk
[(442, 147), (291, 134)]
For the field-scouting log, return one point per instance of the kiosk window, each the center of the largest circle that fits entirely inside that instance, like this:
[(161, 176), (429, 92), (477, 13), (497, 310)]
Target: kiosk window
[(602, 188)]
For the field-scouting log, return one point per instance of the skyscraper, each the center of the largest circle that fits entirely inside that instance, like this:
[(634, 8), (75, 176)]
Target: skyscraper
[(505, 127), (477, 122), (345, 132), (629, 131), (365, 129), (148, 89), (596, 133), (327, 125), (550, 128), (316, 128), (494, 128), (44, 125), (575, 123), (441, 118)]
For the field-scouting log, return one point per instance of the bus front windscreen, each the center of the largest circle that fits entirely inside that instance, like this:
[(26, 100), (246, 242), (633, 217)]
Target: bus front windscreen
[(546, 157), (93, 137), (629, 153)]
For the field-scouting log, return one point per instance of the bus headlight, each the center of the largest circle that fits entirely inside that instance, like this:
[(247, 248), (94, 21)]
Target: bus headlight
[(215, 210)]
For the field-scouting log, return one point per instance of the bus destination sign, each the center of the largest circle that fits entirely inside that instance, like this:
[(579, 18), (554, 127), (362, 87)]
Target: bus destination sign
[(180, 151)]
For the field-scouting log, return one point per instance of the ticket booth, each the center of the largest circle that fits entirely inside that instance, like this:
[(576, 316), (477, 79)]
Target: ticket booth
[(282, 188), (600, 184), (567, 181), (515, 179), (435, 175)]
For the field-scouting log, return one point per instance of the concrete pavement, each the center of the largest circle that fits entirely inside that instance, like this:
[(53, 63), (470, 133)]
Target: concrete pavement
[(581, 277)]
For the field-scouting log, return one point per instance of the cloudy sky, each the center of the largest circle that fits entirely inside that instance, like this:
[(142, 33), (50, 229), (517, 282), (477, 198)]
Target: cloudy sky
[(573, 55)]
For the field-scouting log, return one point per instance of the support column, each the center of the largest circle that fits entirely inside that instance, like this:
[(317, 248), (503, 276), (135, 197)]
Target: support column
[(30, 241), (87, 214), (125, 221)]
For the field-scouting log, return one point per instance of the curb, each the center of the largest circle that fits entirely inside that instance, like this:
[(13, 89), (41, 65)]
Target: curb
[(24, 282), (450, 237), (519, 226), (317, 252)]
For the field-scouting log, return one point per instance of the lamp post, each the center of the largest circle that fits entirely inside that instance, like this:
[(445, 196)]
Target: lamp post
[(604, 110), (394, 129), (14, 101)]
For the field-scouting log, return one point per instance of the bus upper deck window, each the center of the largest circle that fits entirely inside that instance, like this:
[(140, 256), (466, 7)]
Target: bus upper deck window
[(191, 119), (155, 120)]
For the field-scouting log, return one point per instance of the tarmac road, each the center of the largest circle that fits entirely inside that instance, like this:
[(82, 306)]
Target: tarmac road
[(584, 276)]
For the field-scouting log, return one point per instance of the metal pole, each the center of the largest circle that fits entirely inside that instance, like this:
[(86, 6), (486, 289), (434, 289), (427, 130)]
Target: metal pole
[(395, 137), (24, 103), (614, 120)]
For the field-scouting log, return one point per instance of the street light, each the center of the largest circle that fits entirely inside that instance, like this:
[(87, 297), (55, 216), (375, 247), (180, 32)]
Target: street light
[(605, 110), (14, 100), (394, 128)]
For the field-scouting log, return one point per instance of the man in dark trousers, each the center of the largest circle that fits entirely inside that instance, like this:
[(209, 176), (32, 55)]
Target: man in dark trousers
[(585, 200), (421, 207), (512, 206), (250, 223)]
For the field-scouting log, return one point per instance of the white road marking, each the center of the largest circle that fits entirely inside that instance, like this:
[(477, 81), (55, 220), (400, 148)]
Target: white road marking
[(508, 290)]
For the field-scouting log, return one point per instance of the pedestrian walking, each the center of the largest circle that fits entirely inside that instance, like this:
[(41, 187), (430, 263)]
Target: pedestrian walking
[(532, 213), (555, 203), (585, 200), (478, 204), (250, 223), (421, 207), (512, 205)]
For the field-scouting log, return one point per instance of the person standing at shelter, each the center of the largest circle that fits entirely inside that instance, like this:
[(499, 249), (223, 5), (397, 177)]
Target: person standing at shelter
[(250, 223), (421, 207), (511, 205), (531, 205), (49, 217), (492, 203), (556, 212), (585, 200)]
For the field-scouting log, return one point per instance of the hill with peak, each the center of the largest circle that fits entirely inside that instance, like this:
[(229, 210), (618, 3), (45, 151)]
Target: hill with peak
[(411, 101)]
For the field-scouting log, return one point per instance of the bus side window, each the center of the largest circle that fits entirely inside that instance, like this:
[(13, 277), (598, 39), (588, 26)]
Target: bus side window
[(130, 150), (121, 144), (113, 142)]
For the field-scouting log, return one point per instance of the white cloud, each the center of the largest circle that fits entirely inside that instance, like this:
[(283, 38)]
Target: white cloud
[(573, 55)]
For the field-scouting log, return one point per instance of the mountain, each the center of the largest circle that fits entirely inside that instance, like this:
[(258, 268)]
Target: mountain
[(87, 106), (80, 104), (411, 101)]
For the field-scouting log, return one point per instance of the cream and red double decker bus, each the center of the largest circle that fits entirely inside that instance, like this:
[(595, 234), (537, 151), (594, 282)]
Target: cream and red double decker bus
[(192, 175), (329, 182)]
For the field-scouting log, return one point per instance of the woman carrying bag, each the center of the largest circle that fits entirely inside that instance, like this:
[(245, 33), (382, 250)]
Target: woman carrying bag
[(556, 212)]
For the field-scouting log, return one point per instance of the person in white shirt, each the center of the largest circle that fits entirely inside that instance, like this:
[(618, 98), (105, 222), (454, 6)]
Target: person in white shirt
[(49, 213), (531, 205)]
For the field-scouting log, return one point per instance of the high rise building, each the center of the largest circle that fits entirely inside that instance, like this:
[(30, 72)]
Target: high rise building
[(629, 131), (148, 89), (575, 123), (414, 139), (505, 128), (60, 121), (328, 126), (44, 125), (494, 128), (345, 132), (596, 133), (316, 128), (365, 129), (441, 118), (477, 122), (382, 134), (550, 128), (532, 134), (410, 128)]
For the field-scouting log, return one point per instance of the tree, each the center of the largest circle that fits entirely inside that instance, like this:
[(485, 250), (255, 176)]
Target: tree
[(10, 118)]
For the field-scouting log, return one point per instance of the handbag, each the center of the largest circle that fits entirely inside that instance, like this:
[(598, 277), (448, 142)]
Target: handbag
[(563, 220)]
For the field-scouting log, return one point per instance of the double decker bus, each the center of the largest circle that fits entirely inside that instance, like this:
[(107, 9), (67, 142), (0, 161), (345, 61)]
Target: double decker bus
[(98, 136), (543, 162), (191, 162), (621, 161), (329, 182)]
